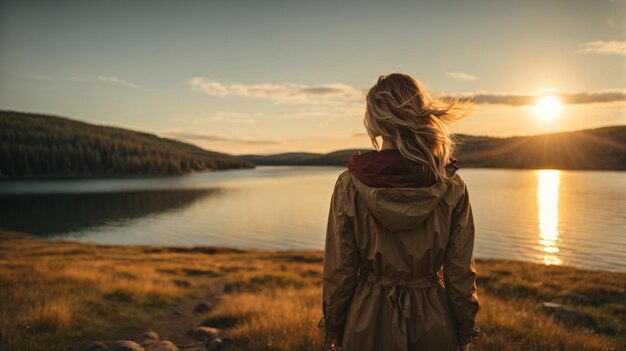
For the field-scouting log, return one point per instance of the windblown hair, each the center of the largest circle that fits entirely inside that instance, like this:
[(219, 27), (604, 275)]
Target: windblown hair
[(403, 113)]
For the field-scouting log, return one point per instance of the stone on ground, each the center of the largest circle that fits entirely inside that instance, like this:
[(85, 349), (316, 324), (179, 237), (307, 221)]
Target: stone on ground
[(126, 345), (148, 338), (205, 333), (164, 345), (214, 345), (148, 342), (149, 335)]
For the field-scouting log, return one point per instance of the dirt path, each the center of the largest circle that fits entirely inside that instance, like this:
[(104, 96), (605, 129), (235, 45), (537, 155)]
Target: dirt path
[(177, 324), (180, 320)]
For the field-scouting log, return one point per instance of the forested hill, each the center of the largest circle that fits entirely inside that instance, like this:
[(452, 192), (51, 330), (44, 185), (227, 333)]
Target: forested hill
[(601, 148), (33, 145)]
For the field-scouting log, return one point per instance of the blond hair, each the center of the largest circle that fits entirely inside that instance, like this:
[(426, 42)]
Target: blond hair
[(403, 113)]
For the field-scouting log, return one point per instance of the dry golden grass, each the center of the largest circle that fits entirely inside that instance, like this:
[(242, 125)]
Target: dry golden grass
[(55, 295), (514, 325), (275, 319)]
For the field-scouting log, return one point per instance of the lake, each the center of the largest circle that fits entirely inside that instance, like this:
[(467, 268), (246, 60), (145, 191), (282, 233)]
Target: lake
[(555, 217)]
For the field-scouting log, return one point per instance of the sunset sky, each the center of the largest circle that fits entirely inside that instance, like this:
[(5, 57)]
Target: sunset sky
[(276, 76)]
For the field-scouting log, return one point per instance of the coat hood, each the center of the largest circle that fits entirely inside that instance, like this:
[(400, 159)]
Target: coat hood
[(398, 192)]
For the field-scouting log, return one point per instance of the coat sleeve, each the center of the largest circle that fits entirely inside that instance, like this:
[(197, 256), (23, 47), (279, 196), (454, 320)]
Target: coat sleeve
[(460, 271), (341, 264)]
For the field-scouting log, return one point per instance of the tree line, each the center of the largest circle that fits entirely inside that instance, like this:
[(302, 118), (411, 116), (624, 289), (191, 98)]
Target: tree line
[(41, 146)]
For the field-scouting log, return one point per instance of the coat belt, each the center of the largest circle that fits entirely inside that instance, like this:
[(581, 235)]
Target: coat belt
[(399, 293), (400, 299)]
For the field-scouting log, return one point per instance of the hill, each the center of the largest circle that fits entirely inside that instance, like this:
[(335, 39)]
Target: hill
[(33, 145), (602, 148)]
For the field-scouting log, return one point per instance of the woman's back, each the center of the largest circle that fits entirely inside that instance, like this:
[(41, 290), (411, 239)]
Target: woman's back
[(399, 270), (398, 239)]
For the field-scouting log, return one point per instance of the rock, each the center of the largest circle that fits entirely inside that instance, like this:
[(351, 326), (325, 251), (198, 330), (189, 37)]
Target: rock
[(126, 345), (568, 316), (164, 345), (148, 338), (148, 342), (202, 307), (95, 346), (205, 333), (149, 335), (214, 345)]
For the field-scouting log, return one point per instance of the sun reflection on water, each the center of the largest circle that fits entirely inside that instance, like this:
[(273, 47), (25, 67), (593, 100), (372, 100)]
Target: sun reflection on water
[(548, 203)]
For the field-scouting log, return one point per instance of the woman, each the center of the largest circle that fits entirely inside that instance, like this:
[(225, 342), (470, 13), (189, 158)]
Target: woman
[(399, 269)]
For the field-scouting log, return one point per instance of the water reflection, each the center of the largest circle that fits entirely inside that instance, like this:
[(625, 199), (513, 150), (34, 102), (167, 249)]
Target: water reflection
[(53, 214), (548, 182)]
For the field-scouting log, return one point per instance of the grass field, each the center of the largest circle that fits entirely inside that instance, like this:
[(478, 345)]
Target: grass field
[(58, 295)]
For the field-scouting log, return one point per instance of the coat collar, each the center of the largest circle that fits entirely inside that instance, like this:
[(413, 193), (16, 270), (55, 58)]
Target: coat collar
[(387, 168)]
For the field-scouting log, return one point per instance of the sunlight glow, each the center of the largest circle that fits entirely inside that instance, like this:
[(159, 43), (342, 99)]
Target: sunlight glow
[(548, 108), (548, 201)]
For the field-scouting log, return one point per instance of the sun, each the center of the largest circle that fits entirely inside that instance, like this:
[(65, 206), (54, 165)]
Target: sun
[(548, 108)]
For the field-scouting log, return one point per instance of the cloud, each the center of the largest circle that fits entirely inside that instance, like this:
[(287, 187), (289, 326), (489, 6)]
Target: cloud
[(349, 101), (202, 137), (603, 96), (323, 112), (116, 80), (601, 47), (280, 92), (461, 76), (39, 76)]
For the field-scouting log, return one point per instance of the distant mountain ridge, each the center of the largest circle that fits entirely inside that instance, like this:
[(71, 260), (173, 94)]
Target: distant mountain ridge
[(591, 149), (42, 146), (35, 145)]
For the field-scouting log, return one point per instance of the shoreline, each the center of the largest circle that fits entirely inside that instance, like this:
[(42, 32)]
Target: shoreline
[(70, 294), (200, 248), (4, 179)]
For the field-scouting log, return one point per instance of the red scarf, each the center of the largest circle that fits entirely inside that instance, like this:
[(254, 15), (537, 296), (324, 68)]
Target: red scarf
[(387, 168)]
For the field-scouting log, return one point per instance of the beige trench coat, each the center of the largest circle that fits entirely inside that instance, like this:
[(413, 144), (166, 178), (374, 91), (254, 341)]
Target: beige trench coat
[(384, 288)]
